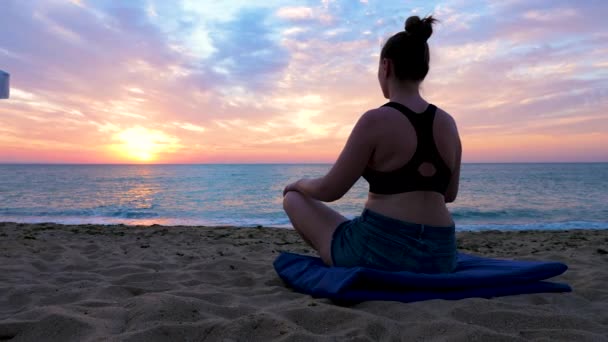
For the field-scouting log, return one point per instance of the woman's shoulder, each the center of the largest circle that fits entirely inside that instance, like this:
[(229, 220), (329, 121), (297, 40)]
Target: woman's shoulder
[(378, 115), (382, 116), (373, 117), (444, 119)]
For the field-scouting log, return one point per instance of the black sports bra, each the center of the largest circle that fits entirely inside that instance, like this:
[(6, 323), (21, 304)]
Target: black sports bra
[(407, 178)]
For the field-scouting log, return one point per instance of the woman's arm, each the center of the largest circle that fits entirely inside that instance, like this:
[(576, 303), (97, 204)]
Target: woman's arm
[(349, 166), (452, 190)]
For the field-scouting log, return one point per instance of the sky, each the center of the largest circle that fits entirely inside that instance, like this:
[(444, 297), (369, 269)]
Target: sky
[(239, 81)]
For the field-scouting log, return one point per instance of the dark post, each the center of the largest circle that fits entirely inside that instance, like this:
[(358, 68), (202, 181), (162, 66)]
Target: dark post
[(4, 85)]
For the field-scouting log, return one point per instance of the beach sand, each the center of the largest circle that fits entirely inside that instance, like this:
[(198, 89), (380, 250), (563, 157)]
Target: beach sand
[(100, 283)]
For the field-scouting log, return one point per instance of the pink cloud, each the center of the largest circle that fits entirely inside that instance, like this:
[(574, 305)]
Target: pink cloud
[(84, 76), (295, 13)]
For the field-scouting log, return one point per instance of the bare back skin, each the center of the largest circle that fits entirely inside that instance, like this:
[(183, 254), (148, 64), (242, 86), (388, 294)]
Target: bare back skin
[(395, 147)]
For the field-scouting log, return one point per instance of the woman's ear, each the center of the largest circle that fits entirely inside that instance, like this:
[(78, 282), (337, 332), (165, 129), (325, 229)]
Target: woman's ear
[(386, 67)]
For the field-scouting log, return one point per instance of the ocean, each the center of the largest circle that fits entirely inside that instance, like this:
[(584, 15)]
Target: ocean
[(491, 196)]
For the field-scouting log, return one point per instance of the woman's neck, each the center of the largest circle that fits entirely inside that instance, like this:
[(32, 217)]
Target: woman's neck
[(409, 96)]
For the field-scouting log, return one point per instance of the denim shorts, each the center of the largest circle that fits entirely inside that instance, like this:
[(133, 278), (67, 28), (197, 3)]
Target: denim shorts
[(377, 241)]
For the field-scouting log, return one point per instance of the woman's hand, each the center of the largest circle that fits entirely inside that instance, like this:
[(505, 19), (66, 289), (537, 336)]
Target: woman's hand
[(291, 187), (307, 187)]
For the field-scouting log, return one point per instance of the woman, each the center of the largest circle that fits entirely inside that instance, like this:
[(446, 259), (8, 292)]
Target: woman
[(409, 151)]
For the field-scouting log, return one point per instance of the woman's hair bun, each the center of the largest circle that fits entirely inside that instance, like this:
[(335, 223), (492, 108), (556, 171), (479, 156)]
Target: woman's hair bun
[(420, 28)]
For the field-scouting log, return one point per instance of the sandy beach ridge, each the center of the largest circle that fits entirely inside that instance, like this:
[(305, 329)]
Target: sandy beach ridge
[(157, 283)]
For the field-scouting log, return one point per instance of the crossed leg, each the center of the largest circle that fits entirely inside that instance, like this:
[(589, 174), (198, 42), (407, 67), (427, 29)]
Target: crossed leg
[(314, 221)]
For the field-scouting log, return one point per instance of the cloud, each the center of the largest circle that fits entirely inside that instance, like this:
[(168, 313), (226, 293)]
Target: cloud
[(552, 15), (246, 51), (189, 127), (240, 80), (295, 13)]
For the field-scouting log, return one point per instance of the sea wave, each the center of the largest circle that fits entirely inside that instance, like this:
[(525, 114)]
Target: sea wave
[(127, 213), (491, 214), (542, 196), (566, 225), (138, 219)]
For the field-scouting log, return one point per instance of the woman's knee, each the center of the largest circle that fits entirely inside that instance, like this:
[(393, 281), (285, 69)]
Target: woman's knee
[(291, 200)]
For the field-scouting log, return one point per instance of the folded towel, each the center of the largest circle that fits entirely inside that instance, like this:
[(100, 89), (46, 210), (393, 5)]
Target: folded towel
[(474, 276)]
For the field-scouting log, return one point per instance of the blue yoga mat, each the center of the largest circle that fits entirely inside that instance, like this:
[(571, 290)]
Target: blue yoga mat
[(474, 277)]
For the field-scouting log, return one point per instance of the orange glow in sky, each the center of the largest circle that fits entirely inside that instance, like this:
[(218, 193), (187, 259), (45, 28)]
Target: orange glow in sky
[(243, 82), (142, 145)]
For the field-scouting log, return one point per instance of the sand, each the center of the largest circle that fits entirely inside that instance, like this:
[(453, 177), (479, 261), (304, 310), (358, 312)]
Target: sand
[(106, 283)]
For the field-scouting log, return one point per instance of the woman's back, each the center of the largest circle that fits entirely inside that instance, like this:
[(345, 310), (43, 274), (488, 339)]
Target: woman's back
[(409, 152), (395, 148)]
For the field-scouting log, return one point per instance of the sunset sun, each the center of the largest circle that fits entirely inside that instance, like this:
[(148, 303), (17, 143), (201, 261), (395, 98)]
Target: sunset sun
[(143, 145)]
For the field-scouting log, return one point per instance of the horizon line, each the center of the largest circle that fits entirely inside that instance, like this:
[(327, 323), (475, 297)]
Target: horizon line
[(286, 163)]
